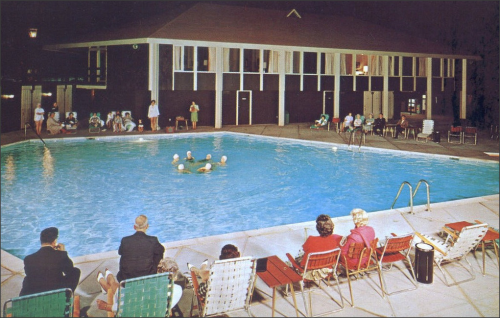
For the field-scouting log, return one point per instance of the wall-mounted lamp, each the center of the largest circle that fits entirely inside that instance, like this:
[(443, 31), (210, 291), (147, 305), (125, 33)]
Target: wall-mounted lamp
[(365, 69), (7, 96), (33, 32), (47, 94)]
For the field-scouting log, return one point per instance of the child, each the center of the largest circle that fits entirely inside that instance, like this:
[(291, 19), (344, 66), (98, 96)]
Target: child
[(140, 127), (117, 123)]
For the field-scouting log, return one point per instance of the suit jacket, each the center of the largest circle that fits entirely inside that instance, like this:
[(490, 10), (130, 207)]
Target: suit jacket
[(44, 271), (140, 255)]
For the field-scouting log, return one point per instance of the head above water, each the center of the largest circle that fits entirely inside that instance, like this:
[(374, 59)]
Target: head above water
[(208, 166), (359, 217), (208, 157), (180, 167), (223, 159), (176, 156), (324, 225)]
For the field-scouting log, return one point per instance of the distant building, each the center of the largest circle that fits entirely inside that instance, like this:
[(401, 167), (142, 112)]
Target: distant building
[(257, 66)]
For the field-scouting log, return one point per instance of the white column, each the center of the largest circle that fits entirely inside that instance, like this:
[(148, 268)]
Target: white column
[(218, 86), (428, 71), (153, 76), (281, 99), (463, 99), (195, 68), (385, 93), (336, 86)]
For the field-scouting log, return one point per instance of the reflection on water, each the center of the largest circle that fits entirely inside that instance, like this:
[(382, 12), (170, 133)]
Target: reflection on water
[(10, 169), (48, 165)]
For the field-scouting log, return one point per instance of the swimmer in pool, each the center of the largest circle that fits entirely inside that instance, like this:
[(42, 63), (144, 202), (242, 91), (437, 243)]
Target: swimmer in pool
[(206, 168), (189, 157), (208, 158), (223, 161), (176, 158), (182, 169)]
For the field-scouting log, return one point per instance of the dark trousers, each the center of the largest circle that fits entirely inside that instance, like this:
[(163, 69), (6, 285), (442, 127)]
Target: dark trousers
[(399, 129), (72, 278), (378, 130)]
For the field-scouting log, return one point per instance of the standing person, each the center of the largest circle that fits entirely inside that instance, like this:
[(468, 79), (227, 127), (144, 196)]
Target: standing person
[(153, 114), (50, 267), (39, 118), (55, 109), (194, 109), (401, 125), (379, 125), (140, 253)]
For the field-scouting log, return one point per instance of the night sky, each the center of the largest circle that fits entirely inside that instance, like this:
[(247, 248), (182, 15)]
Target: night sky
[(471, 27)]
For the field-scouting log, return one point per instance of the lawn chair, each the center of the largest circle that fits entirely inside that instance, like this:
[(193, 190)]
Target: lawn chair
[(54, 303), (146, 296), (319, 260), (72, 127), (327, 118), (456, 250), (95, 124), (470, 133), (229, 287), (455, 132), (360, 251), (335, 122), (427, 130), (396, 249)]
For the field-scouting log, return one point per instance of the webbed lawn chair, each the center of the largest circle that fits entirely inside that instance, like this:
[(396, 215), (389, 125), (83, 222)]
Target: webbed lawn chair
[(427, 129), (327, 118), (456, 247), (146, 296), (95, 125), (72, 127), (229, 287), (360, 251), (470, 133), (455, 132), (54, 303), (397, 249), (315, 261)]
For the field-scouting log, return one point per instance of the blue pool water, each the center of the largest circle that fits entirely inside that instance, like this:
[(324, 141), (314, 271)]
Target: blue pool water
[(93, 189)]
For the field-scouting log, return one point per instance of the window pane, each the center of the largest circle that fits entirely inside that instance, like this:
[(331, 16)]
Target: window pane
[(362, 64), (407, 66), (251, 60), (203, 59), (296, 62), (234, 60), (346, 64), (188, 58), (310, 62)]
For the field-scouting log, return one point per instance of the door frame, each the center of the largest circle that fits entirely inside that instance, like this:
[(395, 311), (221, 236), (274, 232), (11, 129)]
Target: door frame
[(333, 102), (249, 106)]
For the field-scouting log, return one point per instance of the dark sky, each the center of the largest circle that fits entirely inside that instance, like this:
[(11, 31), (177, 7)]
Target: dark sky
[(466, 22)]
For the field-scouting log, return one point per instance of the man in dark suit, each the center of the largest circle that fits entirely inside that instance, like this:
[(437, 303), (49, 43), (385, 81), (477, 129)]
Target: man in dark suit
[(50, 267), (379, 124), (140, 253)]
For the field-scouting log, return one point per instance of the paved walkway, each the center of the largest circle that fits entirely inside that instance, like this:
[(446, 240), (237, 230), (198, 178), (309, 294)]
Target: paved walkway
[(479, 297)]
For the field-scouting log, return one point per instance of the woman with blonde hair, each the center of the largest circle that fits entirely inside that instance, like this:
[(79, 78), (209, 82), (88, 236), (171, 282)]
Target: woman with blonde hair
[(362, 233)]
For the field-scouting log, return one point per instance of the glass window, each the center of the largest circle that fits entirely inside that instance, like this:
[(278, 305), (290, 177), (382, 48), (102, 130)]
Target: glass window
[(271, 61), (412, 103), (251, 60), (231, 60), (310, 62), (202, 59), (345, 64), (188, 58), (296, 62), (362, 64), (407, 66)]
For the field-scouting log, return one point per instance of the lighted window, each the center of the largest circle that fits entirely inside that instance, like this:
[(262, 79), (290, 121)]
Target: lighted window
[(251, 60), (231, 60)]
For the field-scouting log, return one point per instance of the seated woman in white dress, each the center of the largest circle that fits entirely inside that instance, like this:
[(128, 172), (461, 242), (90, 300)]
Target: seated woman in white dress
[(128, 122)]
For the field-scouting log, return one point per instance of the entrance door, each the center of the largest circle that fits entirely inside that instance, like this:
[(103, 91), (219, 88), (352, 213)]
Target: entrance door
[(244, 108), (328, 103), (372, 103)]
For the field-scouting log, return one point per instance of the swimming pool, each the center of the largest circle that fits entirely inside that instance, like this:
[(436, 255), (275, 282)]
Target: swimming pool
[(93, 188)]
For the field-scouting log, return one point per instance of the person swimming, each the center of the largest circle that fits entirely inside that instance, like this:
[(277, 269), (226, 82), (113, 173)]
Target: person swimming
[(207, 158), (206, 168), (182, 169), (176, 158), (189, 157)]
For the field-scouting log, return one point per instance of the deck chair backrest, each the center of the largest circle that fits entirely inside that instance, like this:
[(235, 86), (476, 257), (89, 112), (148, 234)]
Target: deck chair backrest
[(230, 285), (126, 111), (397, 247), (327, 117), (457, 129), (54, 303), (470, 130), (74, 115), (146, 296), (467, 240), (360, 251), (428, 126), (326, 259)]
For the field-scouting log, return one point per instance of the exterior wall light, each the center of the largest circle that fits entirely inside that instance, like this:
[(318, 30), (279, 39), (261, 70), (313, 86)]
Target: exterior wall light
[(33, 32)]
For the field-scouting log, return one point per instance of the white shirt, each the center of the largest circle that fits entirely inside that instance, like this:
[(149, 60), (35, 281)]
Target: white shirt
[(153, 111)]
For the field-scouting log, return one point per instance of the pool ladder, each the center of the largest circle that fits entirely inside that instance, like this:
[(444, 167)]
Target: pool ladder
[(412, 194)]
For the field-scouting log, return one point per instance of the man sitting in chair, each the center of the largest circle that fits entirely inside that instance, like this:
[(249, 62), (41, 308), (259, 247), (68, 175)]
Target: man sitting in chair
[(320, 122), (71, 122), (96, 122)]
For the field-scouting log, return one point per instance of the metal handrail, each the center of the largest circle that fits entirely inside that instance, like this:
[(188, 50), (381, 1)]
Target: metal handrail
[(399, 192), (28, 124), (428, 193)]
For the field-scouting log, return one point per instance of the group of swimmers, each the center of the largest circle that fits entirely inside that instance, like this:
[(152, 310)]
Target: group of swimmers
[(191, 164)]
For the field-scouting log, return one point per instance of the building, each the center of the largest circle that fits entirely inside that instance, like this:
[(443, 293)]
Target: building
[(257, 66)]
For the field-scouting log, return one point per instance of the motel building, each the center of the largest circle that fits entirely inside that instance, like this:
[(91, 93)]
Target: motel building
[(248, 66)]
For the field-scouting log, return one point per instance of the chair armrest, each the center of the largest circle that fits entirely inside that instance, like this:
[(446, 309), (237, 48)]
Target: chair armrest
[(450, 233), (423, 238), (294, 263)]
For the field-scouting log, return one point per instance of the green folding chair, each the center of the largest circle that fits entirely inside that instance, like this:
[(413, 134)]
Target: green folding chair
[(54, 303), (147, 296)]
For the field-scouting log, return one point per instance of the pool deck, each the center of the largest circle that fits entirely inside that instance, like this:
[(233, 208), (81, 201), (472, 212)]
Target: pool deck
[(479, 297)]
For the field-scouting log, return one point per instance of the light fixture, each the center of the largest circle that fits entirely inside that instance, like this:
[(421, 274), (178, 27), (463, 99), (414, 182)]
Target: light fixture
[(33, 32), (365, 69), (7, 96), (47, 94)]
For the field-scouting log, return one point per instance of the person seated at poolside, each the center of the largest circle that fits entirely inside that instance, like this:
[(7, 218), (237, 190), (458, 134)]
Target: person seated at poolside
[(324, 242), (176, 158), (206, 168), (53, 126), (368, 126), (357, 124), (347, 122), (96, 122), (228, 251), (189, 157), (401, 125), (109, 120), (182, 169), (128, 122), (379, 125), (118, 123), (208, 158), (320, 122), (71, 121), (362, 233)]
